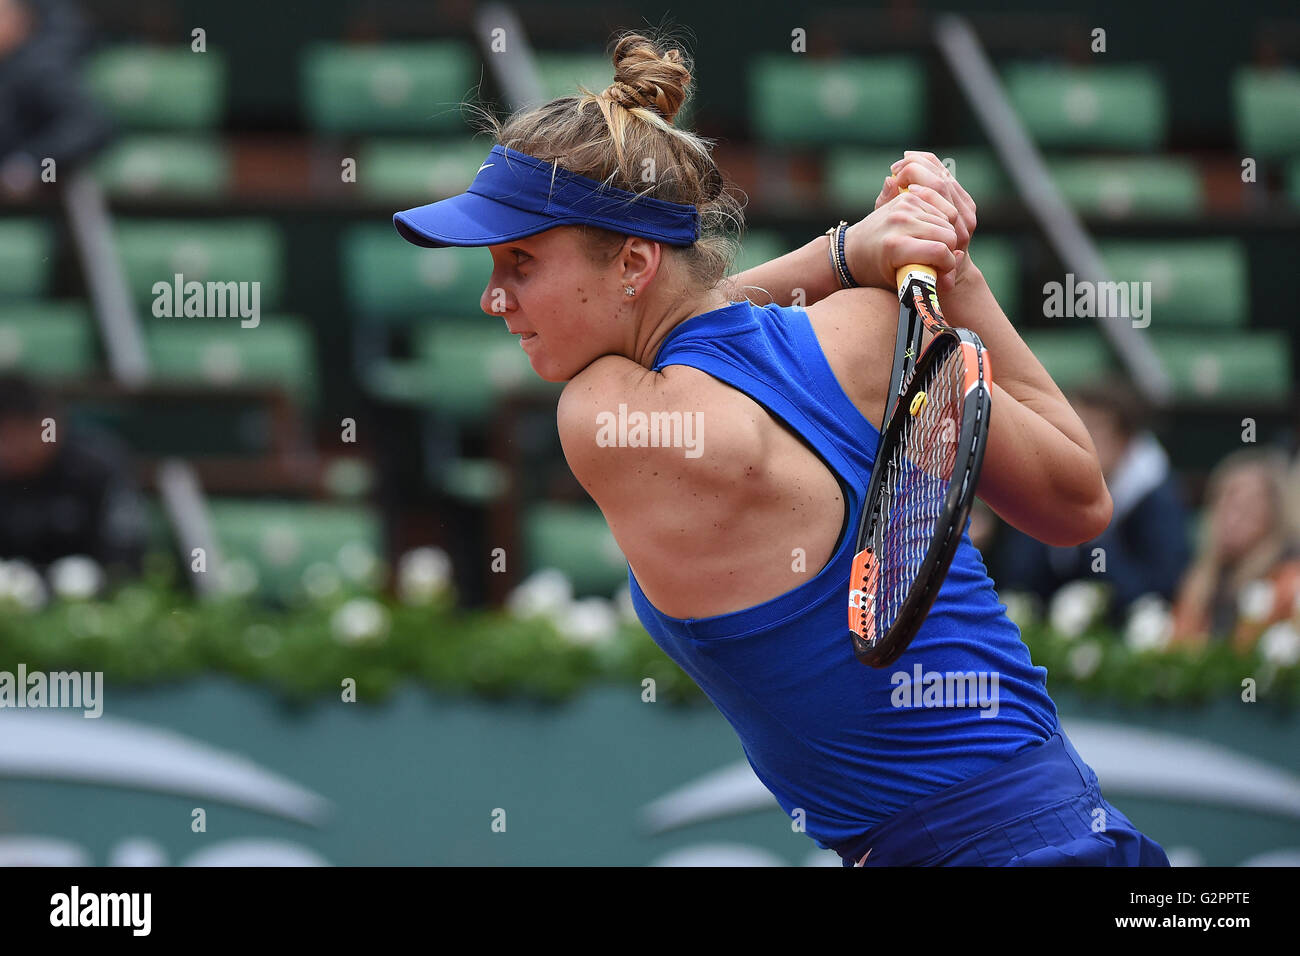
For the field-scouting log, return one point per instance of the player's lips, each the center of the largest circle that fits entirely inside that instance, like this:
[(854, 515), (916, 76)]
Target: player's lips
[(526, 335)]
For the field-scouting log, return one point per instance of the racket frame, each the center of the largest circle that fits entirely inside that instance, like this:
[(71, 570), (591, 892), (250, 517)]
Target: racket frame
[(908, 374)]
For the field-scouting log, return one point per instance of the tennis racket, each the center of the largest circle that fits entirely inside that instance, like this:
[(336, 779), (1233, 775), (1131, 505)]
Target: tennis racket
[(923, 481)]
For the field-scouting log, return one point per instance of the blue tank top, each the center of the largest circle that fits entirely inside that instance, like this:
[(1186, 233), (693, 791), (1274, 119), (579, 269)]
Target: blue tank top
[(847, 744)]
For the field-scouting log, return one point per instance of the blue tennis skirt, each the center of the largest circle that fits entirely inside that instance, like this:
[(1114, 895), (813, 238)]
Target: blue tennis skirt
[(1042, 807)]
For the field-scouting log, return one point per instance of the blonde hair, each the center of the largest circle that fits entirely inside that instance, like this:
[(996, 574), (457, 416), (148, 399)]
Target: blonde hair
[(1207, 573), (624, 136)]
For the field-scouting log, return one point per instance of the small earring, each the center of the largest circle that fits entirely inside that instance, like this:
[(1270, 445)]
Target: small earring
[(628, 290)]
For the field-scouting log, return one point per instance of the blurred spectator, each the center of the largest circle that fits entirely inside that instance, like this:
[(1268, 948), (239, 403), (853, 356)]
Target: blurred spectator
[(1145, 549), (44, 111), (72, 495), (1246, 575)]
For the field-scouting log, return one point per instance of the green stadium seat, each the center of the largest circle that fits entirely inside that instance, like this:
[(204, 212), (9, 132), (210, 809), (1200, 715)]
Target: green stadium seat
[(562, 73), (1202, 282), (47, 339), (1254, 366), (1122, 188), (1202, 367), (477, 481), (387, 277), (854, 176), (853, 100), (281, 539), (461, 368), (418, 173), (278, 351), (576, 540), (247, 250), (406, 87), (150, 88), (1206, 366), (1073, 358), (1267, 112), (1098, 107), (26, 258), (164, 166), (472, 361)]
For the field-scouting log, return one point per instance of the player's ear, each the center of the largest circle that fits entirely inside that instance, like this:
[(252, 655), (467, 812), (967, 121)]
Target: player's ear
[(639, 260)]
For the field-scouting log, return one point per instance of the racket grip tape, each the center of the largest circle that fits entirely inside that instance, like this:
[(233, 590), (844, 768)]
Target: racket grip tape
[(904, 276)]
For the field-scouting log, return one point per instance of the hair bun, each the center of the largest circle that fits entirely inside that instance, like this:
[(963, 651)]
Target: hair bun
[(647, 78)]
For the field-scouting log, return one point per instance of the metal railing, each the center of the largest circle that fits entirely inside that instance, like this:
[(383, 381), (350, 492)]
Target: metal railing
[(128, 361), (1024, 164)]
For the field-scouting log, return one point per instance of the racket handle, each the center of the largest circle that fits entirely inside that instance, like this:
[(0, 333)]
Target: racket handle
[(900, 277)]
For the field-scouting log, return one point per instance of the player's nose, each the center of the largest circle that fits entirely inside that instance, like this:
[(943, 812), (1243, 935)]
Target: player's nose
[(497, 300)]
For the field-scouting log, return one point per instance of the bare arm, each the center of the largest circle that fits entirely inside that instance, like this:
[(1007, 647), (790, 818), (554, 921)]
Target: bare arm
[(808, 268), (1040, 472), (909, 231), (1035, 476)]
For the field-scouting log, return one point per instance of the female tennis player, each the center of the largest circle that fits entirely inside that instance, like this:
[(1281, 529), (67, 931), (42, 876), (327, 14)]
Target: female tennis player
[(608, 230)]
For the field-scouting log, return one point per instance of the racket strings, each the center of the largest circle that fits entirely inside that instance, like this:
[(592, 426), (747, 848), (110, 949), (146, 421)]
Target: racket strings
[(915, 487)]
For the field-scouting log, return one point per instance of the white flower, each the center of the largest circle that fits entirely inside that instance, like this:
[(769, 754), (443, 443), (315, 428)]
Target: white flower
[(360, 620), (590, 621), (1075, 606), (238, 577), (359, 563), (280, 545), (1255, 600), (320, 580), (1084, 659), (22, 583), (1280, 644), (422, 574), (1150, 625), (76, 577), (1022, 608), (546, 593)]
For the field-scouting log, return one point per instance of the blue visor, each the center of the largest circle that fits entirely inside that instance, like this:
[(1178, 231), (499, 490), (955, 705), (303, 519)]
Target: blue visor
[(515, 195)]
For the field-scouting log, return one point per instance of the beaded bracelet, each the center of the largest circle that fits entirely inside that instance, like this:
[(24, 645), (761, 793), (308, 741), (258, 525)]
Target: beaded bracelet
[(838, 261)]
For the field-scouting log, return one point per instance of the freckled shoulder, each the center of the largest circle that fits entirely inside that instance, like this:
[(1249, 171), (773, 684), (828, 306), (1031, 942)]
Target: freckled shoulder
[(707, 427)]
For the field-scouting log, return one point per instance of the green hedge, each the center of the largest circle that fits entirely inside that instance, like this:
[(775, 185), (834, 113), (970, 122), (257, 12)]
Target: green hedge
[(151, 631)]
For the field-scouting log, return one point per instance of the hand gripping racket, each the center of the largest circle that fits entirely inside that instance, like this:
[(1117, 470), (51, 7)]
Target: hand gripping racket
[(923, 481)]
